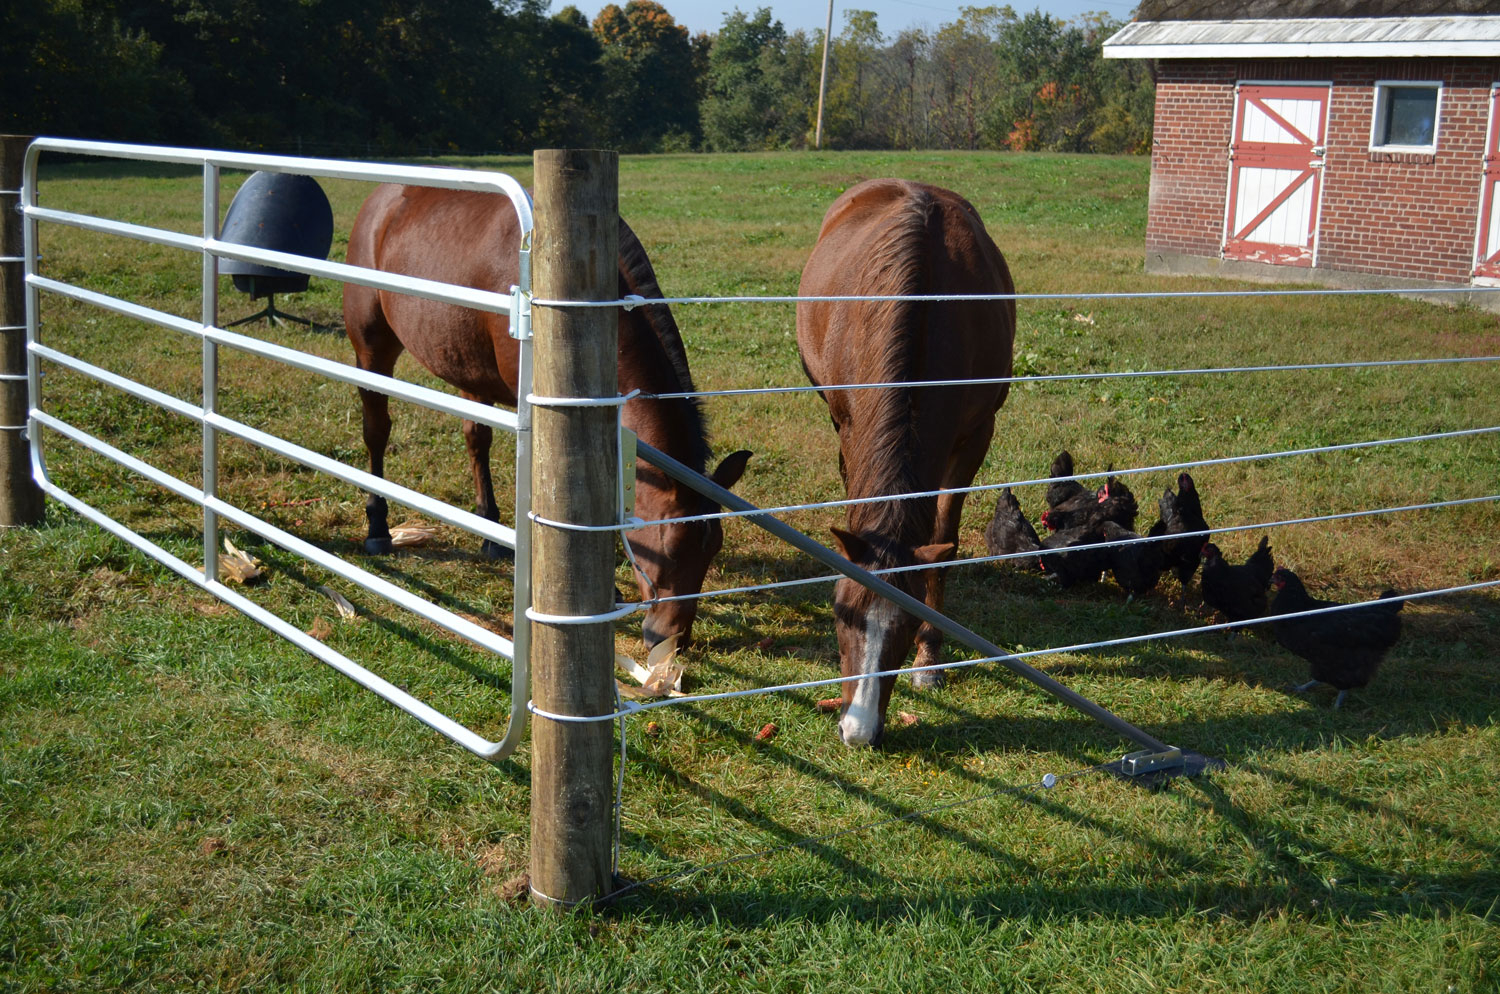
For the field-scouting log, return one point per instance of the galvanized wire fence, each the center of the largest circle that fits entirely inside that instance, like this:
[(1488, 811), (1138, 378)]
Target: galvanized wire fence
[(631, 708)]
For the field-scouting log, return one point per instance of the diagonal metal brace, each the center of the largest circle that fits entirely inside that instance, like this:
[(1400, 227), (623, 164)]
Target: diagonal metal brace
[(913, 606)]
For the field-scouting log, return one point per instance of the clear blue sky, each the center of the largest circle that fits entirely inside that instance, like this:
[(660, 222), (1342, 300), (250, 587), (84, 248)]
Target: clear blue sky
[(892, 15)]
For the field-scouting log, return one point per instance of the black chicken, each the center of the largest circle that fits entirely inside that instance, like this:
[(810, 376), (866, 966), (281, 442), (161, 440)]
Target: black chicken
[(1117, 503), (1136, 567), (1111, 502), (1082, 563), (1061, 490), (1343, 648), (1182, 514), (1238, 592), (1077, 511), (1009, 531)]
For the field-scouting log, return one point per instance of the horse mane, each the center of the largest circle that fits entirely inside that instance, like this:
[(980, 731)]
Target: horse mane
[(637, 276), (896, 265)]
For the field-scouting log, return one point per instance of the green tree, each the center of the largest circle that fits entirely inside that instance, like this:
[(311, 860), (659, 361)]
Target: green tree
[(649, 84), (758, 85), (1048, 84), (849, 108), (911, 103), (561, 69), (72, 68), (966, 65), (1127, 101)]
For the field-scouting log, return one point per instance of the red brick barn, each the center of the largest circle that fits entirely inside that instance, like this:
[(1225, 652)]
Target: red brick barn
[(1358, 149)]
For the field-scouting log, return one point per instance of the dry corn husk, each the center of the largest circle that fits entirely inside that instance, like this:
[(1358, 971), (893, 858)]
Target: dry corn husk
[(409, 535), (238, 566), (660, 677)]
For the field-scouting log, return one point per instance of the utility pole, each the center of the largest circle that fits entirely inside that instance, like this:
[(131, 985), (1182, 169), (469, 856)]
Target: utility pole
[(823, 79)]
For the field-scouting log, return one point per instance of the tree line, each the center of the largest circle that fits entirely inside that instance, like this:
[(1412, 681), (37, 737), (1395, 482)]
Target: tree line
[(351, 77)]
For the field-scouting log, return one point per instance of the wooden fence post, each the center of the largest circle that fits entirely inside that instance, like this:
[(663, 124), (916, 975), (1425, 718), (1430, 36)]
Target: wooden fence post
[(574, 478), (20, 497)]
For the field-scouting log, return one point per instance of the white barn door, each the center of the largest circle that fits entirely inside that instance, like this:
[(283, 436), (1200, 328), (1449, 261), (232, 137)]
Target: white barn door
[(1487, 244), (1275, 173)]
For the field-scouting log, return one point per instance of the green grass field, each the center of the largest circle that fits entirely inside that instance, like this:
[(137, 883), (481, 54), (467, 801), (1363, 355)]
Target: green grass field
[(189, 804)]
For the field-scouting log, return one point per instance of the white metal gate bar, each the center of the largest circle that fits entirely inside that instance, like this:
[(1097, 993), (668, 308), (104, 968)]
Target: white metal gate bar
[(415, 286), (446, 513), (515, 303), (363, 578), (495, 417)]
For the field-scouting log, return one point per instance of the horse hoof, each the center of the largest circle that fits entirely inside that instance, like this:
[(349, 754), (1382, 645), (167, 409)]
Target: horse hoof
[(928, 679), (494, 550), (378, 546)]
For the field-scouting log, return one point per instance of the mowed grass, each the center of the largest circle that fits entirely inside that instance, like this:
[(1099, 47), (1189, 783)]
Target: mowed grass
[(190, 804)]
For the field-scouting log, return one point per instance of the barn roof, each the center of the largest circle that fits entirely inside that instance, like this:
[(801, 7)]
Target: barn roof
[(1307, 37), (1238, 10)]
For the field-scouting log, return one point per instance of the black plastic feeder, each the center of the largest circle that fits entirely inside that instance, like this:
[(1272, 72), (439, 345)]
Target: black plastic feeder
[(284, 213)]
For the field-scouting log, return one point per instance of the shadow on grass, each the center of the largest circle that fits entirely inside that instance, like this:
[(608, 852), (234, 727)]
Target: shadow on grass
[(1171, 880), (825, 778), (1291, 874)]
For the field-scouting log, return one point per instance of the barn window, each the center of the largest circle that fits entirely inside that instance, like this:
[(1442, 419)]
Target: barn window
[(1406, 117)]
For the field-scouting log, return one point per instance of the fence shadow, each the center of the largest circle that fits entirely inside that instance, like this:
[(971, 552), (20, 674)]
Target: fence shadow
[(1404, 701), (1166, 879)]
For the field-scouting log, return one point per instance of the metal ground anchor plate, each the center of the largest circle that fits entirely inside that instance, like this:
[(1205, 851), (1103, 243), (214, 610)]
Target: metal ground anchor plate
[(1150, 769)]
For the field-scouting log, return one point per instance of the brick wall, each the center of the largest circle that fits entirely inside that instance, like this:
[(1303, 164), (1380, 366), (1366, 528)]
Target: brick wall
[(1404, 216)]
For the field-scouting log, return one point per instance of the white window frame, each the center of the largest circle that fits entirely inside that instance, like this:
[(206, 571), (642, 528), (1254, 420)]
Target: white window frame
[(1381, 109)]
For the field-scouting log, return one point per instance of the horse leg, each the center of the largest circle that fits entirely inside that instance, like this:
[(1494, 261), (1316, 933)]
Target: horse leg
[(376, 349), (477, 439), (377, 427), (929, 639), (962, 466)]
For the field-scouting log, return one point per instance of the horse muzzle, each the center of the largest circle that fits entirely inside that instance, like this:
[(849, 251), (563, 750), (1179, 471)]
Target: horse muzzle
[(857, 738)]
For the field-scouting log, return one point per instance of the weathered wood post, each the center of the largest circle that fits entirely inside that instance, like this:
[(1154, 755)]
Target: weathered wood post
[(20, 497), (574, 472)]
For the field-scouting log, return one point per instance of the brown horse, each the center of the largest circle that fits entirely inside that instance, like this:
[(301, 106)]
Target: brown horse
[(889, 237), (473, 239)]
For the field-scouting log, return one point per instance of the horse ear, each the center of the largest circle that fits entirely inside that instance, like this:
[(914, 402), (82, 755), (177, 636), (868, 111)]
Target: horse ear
[(929, 555), (851, 545), (729, 471)]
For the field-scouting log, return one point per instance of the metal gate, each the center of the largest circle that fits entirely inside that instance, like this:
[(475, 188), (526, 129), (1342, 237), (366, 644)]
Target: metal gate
[(1275, 173), (212, 337)]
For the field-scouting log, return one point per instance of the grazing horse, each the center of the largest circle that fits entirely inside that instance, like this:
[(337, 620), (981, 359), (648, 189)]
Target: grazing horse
[(473, 239), (889, 237)]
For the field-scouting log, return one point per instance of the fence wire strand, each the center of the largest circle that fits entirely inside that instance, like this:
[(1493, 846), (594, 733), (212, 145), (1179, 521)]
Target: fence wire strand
[(1066, 377), (637, 707), (629, 303), (1015, 556), (986, 487)]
